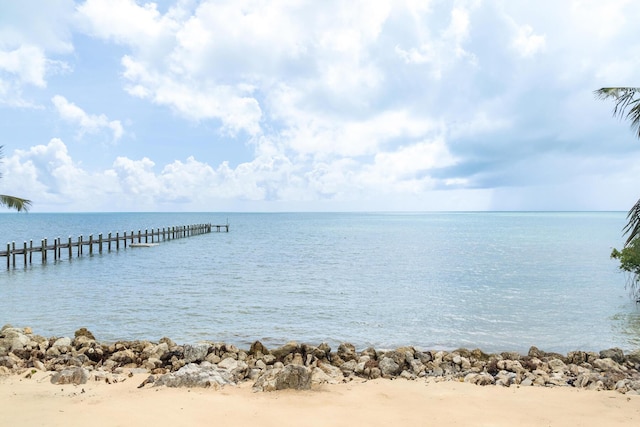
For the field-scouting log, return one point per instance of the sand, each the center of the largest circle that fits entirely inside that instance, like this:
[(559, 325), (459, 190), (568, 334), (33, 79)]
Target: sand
[(36, 402)]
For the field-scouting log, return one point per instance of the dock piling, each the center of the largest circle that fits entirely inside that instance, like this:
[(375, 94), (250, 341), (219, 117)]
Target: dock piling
[(167, 233)]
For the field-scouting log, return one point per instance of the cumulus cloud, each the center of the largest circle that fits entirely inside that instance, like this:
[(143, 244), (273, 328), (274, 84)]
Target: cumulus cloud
[(87, 123), (337, 101), (31, 34)]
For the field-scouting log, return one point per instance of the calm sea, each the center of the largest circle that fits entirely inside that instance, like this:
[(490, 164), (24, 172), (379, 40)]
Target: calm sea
[(497, 281)]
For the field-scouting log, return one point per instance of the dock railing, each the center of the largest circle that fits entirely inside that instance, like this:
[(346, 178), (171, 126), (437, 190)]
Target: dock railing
[(58, 247)]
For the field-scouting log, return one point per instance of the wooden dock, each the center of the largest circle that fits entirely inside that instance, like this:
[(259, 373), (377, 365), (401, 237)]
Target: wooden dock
[(92, 244)]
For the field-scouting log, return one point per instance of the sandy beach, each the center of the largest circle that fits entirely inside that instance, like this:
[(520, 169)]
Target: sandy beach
[(36, 402)]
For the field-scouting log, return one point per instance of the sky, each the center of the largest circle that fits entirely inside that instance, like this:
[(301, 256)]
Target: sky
[(287, 105)]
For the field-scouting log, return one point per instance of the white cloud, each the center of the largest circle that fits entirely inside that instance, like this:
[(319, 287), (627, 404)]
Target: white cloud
[(233, 105), (87, 123), (527, 43), (28, 63), (321, 101), (31, 32), (441, 51)]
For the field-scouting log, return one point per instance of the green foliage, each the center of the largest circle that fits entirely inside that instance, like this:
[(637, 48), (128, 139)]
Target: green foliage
[(627, 106), (629, 258)]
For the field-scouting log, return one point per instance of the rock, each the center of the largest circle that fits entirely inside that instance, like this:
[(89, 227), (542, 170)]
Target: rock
[(258, 349), (407, 375), (229, 364), (479, 379), (347, 352), (417, 367), (192, 375), (281, 352), (399, 357), (423, 357), (318, 376), (290, 377), (76, 375), (297, 359), (577, 357), (332, 372), (505, 378), (607, 364), (123, 357), (510, 355), (388, 367), (62, 342), (527, 382), (156, 351), (557, 365), (195, 353), (350, 367), (11, 361), (83, 332), (616, 354), (634, 358)]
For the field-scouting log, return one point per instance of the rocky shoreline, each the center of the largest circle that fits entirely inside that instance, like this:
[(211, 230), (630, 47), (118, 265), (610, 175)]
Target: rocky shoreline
[(299, 366)]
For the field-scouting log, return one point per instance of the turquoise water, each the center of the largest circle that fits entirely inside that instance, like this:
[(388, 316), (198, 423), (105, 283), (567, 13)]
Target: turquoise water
[(497, 281)]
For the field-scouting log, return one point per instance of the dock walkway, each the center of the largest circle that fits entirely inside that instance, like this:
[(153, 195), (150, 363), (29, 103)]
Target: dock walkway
[(146, 238)]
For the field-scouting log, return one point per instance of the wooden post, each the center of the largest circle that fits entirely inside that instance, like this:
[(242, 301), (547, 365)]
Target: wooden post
[(70, 247), (139, 236), (90, 244), (100, 243), (43, 250), (13, 247), (80, 245), (24, 249), (8, 259), (109, 243), (117, 240), (55, 249), (30, 251), (146, 235)]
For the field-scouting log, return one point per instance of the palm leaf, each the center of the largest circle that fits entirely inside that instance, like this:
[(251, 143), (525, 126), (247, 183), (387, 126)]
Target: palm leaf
[(627, 105), (15, 203), (633, 223)]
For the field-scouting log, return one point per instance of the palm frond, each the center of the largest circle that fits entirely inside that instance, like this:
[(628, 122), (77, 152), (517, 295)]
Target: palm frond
[(15, 203), (627, 104), (633, 223)]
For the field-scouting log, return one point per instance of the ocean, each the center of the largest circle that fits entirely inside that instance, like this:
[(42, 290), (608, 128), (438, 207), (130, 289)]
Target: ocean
[(499, 281)]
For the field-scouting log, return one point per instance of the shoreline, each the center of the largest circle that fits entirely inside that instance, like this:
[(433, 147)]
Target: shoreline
[(293, 365), (79, 381)]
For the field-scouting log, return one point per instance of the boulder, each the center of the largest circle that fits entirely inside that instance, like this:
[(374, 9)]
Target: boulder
[(347, 352), (281, 352), (616, 354), (62, 342), (84, 332), (76, 375), (258, 349), (196, 352), (290, 377), (607, 364), (332, 372), (388, 367), (479, 379), (192, 375)]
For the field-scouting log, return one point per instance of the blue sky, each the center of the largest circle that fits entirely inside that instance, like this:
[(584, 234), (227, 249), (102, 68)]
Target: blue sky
[(254, 105)]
